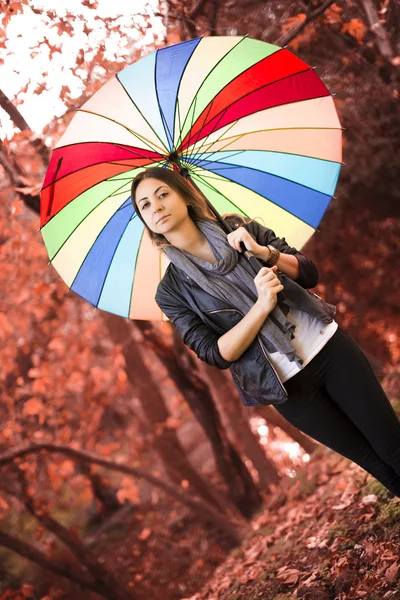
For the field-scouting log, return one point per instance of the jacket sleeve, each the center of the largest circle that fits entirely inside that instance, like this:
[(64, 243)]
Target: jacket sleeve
[(308, 272), (194, 332)]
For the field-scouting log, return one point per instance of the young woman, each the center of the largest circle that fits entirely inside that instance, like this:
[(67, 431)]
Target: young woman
[(279, 340)]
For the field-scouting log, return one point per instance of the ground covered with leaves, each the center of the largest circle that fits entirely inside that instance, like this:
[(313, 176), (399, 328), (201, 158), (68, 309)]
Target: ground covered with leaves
[(330, 532), (336, 535)]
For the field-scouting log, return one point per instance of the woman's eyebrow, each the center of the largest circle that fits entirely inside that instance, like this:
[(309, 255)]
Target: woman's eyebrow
[(146, 198)]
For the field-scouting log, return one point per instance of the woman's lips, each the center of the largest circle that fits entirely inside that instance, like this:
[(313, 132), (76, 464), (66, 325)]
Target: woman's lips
[(163, 219)]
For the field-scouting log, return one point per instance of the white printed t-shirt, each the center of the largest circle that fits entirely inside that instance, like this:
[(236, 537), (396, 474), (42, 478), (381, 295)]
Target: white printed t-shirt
[(311, 335)]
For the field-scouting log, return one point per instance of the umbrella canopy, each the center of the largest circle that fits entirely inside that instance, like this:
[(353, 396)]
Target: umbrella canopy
[(254, 125)]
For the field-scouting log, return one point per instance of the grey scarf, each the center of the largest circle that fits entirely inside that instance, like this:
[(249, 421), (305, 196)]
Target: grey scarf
[(232, 277)]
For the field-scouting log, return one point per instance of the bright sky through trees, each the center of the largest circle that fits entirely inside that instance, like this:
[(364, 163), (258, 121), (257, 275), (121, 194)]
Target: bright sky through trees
[(32, 76)]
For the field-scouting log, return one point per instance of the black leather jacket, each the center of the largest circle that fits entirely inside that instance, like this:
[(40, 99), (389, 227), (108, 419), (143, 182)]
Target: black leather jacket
[(201, 319)]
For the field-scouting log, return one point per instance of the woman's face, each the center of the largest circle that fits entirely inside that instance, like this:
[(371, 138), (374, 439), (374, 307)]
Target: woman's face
[(156, 199)]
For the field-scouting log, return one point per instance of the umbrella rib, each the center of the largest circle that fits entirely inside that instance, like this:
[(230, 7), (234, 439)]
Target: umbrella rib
[(195, 161), (238, 136), (115, 250), (131, 131), (115, 194), (118, 163), (130, 149), (192, 146), (217, 140), (275, 152), (105, 162), (179, 123), (199, 132), (164, 121), (76, 227), (165, 150), (223, 111), (235, 152), (279, 128), (186, 156), (203, 141), (134, 271), (274, 175), (207, 136), (88, 167), (268, 199), (209, 73), (210, 186)]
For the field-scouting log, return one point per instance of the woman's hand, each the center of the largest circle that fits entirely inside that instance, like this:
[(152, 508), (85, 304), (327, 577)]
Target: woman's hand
[(242, 235), (268, 287), (266, 281)]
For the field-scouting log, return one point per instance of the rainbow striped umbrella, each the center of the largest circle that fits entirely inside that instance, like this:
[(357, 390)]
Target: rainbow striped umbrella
[(253, 124)]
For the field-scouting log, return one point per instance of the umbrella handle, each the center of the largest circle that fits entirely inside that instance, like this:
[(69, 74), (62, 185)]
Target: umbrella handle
[(253, 260)]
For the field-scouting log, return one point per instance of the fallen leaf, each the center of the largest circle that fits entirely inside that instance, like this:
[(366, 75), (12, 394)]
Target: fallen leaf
[(33, 406), (392, 572)]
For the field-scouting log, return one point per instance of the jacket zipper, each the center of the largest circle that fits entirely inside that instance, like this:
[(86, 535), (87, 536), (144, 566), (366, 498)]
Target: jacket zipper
[(277, 376), (240, 381), (259, 341)]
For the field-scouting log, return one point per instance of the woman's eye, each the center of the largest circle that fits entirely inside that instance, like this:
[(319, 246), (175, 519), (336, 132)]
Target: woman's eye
[(162, 194)]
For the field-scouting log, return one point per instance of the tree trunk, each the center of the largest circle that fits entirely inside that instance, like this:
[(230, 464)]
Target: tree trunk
[(185, 369), (236, 420), (166, 442)]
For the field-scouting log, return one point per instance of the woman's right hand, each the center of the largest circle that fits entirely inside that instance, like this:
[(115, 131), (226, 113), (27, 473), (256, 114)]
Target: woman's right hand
[(268, 286)]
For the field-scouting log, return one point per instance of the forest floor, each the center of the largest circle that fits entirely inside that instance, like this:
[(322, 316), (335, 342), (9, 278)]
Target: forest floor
[(331, 532)]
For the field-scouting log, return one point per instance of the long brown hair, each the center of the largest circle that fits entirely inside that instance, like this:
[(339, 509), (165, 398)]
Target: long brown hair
[(197, 206)]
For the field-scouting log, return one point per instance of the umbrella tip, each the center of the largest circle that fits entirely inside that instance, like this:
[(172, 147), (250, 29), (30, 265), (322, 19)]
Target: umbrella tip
[(49, 263)]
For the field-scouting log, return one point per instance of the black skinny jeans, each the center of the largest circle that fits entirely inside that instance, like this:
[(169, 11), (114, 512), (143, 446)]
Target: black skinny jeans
[(337, 400)]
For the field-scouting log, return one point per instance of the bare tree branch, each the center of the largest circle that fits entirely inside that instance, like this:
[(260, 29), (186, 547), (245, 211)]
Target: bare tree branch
[(21, 124), (382, 38), (196, 9), (311, 16), (202, 509), (39, 558), (13, 112), (214, 17), (85, 559)]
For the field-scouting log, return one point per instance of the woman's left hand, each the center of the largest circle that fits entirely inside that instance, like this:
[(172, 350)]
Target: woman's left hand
[(242, 235)]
